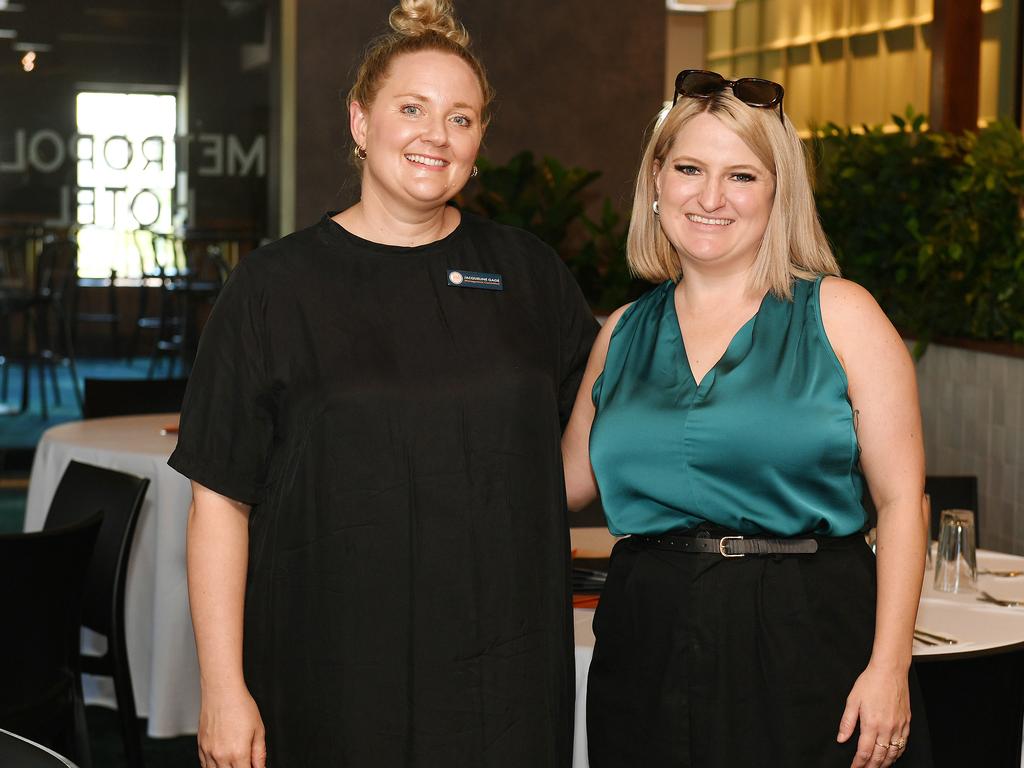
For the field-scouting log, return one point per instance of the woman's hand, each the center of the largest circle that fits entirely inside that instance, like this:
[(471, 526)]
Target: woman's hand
[(880, 700), (231, 731)]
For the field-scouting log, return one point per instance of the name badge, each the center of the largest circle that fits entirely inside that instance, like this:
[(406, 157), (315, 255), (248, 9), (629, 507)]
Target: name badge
[(459, 278)]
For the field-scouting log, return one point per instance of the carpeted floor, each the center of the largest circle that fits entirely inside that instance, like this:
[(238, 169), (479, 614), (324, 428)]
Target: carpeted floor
[(23, 430), (12, 509)]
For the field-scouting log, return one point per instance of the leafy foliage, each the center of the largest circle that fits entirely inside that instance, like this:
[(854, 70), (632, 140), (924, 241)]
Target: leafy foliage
[(930, 223), (550, 200)]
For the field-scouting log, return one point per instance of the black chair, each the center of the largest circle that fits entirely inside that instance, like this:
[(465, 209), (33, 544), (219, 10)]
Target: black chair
[(45, 322), (124, 397), (952, 492), (981, 694), (15, 296), (163, 264), (18, 752), (84, 488), (42, 606), (110, 317)]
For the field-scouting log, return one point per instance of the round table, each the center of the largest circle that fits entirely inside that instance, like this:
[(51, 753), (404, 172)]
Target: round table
[(18, 752), (161, 646), (980, 629)]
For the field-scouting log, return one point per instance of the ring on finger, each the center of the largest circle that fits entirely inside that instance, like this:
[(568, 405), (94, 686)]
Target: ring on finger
[(898, 742)]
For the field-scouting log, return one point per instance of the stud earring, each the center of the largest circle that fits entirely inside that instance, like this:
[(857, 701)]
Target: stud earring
[(654, 207), (360, 152), (474, 173)]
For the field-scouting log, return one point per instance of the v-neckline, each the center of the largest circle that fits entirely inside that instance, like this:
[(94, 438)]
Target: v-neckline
[(728, 347)]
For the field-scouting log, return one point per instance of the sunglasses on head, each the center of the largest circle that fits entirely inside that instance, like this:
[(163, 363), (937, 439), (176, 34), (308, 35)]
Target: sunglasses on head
[(752, 91)]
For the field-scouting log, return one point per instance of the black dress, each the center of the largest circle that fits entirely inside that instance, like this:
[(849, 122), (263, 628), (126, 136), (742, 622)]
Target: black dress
[(398, 437)]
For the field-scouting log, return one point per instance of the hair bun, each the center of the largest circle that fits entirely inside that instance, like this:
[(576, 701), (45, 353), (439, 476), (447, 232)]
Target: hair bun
[(413, 18)]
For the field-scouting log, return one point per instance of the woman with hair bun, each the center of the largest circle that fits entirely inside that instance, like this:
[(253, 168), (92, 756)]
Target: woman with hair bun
[(377, 546)]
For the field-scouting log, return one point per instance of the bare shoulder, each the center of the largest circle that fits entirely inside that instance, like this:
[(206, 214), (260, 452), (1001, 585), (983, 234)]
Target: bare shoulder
[(854, 323), (609, 325), (844, 300), (613, 319), (600, 349)]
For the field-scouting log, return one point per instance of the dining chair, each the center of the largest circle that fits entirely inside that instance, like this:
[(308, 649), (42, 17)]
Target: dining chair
[(206, 272), (18, 752), (124, 397), (92, 312), (952, 492), (946, 492), (45, 320), (42, 606), (162, 261), (981, 694), (14, 292), (82, 490)]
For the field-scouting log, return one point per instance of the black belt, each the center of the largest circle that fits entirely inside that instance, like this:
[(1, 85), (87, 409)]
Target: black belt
[(728, 546)]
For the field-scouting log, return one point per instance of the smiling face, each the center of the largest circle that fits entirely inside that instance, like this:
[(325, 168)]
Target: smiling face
[(422, 132), (714, 195)]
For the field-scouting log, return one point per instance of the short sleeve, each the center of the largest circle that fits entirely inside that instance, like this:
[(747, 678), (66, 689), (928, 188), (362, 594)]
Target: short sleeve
[(577, 333), (227, 418)]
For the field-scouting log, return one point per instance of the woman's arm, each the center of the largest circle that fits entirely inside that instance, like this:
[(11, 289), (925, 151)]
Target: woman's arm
[(580, 485), (883, 391), (230, 728)]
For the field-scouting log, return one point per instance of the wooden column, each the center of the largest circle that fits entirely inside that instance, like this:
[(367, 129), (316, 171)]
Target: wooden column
[(956, 64)]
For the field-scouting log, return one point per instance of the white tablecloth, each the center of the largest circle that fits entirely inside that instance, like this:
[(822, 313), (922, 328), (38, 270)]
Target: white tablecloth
[(161, 647), (977, 626)]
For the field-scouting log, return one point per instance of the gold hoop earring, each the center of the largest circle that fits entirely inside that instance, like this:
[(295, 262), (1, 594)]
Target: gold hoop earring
[(474, 173), (360, 152)]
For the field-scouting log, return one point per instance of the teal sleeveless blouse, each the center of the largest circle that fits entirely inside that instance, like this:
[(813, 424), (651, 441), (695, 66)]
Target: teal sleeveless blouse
[(765, 444)]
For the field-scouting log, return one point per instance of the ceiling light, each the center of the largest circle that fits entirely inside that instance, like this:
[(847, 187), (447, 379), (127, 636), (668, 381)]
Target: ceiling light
[(28, 61), (699, 6), (37, 47), (8, 34)]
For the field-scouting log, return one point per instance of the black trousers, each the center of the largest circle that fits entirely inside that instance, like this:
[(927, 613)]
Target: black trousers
[(733, 663)]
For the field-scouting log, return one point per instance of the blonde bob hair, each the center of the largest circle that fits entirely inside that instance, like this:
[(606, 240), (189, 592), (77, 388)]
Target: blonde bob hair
[(793, 245)]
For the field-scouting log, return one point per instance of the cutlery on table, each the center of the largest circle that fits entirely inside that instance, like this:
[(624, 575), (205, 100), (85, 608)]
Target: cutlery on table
[(923, 640), (936, 637), (1004, 574), (987, 598), (590, 573)]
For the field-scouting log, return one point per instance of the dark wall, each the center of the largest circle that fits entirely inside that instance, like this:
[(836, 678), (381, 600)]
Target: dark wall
[(206, 51), (228, 98), (576, 80), (87, 47)]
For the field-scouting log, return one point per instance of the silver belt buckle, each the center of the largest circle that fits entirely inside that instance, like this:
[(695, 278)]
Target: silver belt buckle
[(721, 546)]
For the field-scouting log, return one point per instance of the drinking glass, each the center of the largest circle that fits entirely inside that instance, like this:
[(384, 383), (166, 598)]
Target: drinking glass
[(926, 512), (956, 568)]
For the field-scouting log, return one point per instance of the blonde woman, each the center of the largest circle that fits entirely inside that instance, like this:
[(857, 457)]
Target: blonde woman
[(730, 418), (377, 548)]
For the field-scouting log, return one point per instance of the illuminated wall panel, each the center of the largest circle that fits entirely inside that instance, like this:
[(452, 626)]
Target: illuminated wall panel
[(720, 25), (748, 25), (775, 16), (830, 17), (854, 61), (830, 81), (867, 81), (902, 57)]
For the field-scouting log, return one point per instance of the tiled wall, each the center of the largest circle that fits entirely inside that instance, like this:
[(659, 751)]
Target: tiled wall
[(973, 409)]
